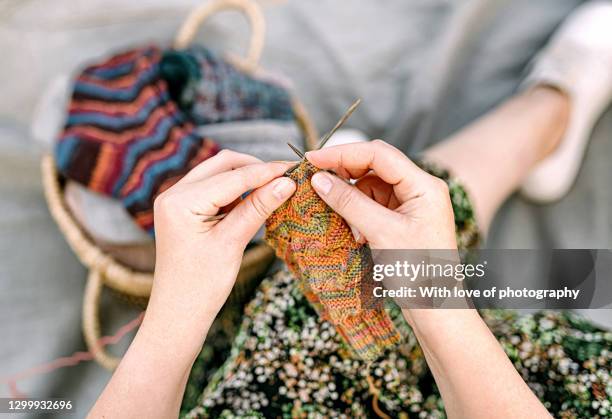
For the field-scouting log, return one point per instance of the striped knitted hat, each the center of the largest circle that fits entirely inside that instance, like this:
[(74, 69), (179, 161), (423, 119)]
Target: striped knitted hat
[(320, 250)]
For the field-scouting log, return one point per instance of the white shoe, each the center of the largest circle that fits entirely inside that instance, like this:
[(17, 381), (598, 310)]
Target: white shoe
[(578, 61), (346, 136)]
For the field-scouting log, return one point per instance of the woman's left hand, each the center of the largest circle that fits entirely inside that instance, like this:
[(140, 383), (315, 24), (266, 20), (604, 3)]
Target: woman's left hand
[(196, 267), (197, 261)]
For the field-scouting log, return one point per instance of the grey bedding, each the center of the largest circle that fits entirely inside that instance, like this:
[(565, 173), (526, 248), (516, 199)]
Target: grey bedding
[(424, 68)]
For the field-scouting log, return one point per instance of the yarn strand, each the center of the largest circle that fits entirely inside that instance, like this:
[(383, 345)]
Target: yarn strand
[(68, 361)]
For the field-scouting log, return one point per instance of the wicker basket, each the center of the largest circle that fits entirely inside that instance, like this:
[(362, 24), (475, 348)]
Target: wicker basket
[(104, 270)]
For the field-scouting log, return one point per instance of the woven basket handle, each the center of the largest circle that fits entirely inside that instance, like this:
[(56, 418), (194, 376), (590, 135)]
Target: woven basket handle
[(91, 321), (248, 7)]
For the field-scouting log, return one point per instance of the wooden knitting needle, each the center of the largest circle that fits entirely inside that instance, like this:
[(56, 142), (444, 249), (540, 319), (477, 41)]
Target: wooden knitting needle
[(215, 217), (327, 136), (340, 122), (297, 151)]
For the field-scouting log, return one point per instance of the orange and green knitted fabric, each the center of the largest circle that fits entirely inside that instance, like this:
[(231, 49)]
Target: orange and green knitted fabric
[(320, 250)]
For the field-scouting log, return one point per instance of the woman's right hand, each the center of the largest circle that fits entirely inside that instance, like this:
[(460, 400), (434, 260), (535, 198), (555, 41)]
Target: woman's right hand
[(396, 205), (393, 205)]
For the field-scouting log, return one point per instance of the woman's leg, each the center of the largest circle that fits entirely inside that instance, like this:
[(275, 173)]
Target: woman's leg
[(494, 154)]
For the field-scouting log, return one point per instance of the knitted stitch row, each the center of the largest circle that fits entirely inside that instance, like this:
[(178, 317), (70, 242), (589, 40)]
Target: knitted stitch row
[(319, 248)]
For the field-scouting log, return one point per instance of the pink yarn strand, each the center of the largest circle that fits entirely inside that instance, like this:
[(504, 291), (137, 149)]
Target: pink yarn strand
[(69, 361)]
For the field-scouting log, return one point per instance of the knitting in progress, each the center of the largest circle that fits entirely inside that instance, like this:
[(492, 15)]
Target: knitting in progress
[(130, 130), (320, 250)]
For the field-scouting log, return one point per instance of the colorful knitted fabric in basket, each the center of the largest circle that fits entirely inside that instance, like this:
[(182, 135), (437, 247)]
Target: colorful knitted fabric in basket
[(126, 137), (319, 248), (211, 90)]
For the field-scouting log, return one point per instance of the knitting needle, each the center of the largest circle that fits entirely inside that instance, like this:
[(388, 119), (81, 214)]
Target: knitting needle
[(297, 151), (340, 122), (215, 217), (327, 136)]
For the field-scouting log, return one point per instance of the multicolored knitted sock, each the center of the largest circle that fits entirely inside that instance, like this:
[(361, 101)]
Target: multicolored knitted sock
[(126, 137), (320, 250), (211, 90)]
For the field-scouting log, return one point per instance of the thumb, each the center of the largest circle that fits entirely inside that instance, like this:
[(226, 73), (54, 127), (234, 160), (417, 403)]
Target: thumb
[(248, 216), (359, 211)]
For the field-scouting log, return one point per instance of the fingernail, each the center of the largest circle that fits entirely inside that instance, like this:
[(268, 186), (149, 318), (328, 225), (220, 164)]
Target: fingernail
[(321, 182), (309, 153), (356, 233), (283, 188)]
